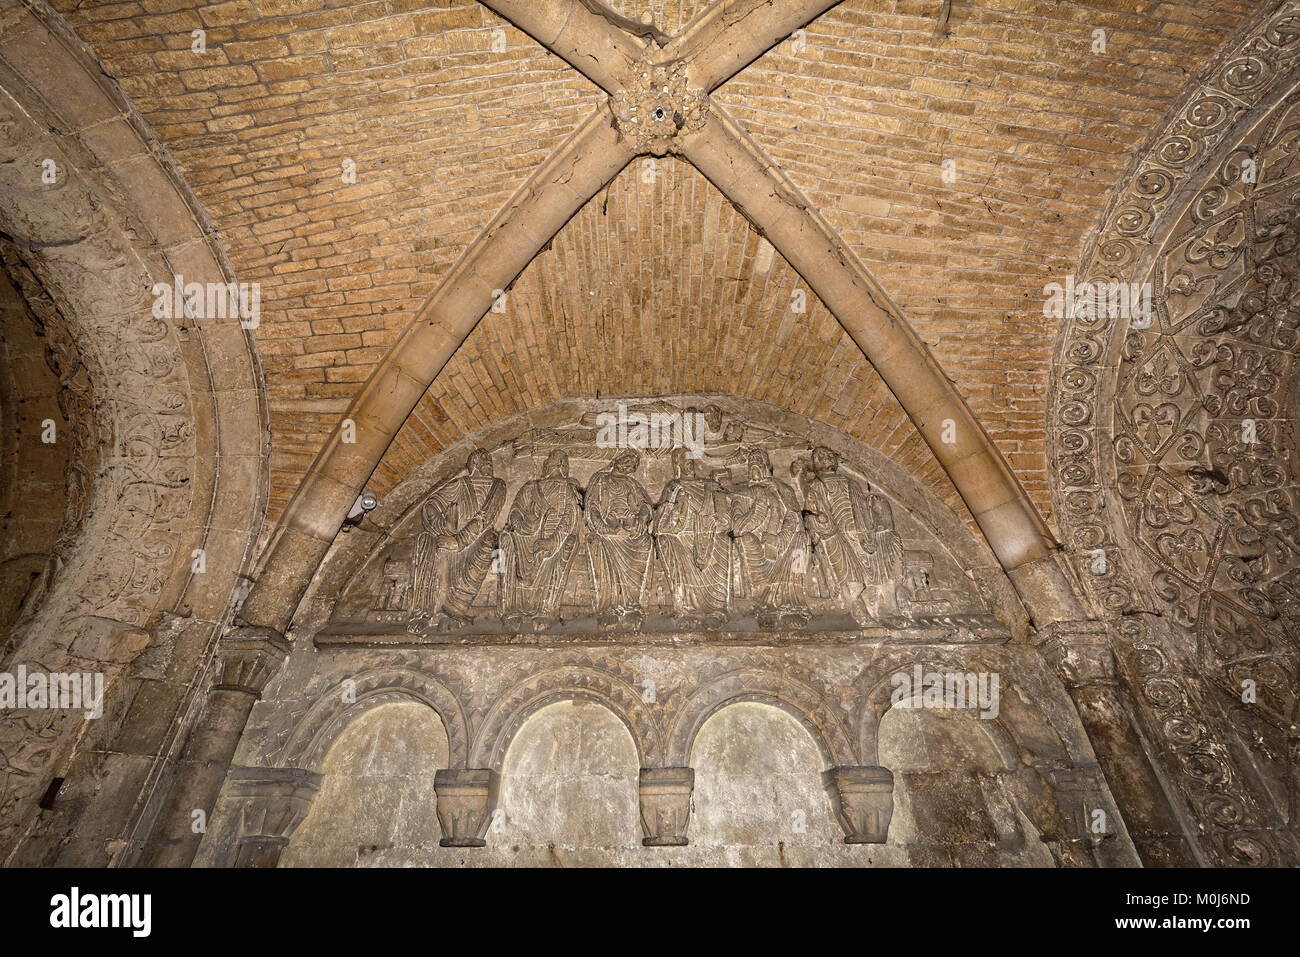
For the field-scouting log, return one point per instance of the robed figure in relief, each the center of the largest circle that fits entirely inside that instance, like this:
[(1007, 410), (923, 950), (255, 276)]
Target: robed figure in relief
[(454, 552)]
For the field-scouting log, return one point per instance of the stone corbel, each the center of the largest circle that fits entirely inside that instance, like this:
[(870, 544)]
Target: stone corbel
[(666, 805), (862, 799), (272, 803), (248, 657), (466, 799)]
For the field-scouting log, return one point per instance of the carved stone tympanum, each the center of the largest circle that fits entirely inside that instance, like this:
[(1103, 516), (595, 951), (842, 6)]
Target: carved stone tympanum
[(655, 516)]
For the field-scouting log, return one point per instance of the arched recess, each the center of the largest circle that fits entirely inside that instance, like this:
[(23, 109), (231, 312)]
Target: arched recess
[(956, 802), (1018, 732), (178, 435), (341, 705), (375, 806), (759, 797), (825, 724), (43, 485), (567, 682), (568, 789)]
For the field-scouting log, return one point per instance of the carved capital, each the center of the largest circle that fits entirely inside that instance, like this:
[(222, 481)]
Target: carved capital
[(862, 799), (656, 104), (272, 802), (1079, 651), (666, 805), (466, 798), (248, 657)]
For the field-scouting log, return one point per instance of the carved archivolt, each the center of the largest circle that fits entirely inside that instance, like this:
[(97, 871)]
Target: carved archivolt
[(347, 701), (560, 683), (146, 418), (825, 723), (1173, 442)]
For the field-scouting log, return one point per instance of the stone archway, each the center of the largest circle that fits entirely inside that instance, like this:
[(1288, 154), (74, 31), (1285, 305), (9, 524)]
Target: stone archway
[(92, 216), (1172, 435)]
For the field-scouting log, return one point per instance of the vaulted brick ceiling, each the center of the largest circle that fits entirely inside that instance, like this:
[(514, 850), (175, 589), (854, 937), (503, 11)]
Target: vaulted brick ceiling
[(662, 286)]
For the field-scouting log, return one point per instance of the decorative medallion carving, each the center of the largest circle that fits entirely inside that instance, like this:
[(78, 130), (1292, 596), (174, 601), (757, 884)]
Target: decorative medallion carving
[(1173, 441)]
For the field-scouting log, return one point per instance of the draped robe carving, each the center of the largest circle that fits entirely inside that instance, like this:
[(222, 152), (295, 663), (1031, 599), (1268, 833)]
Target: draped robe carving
[(838, 516), (618, 514), (538, 544), (772, 546), (454, 552), (691, 533)]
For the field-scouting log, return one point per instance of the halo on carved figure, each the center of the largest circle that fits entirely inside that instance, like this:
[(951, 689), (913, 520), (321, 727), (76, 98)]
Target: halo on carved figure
[(339, 705), (826, 725), (518, 703)]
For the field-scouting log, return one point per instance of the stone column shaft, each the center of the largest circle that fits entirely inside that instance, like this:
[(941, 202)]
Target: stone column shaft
[(246, 660), (1081, 654)]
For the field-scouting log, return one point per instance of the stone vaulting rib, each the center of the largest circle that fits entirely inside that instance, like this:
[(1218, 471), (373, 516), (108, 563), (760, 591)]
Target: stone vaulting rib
[(591, 157), (734, 163), (719, 42)]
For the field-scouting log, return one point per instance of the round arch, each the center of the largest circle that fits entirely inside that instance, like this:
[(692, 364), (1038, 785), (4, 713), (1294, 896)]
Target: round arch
[(174, 435), (826, 725), (332, 714), (525, 698)]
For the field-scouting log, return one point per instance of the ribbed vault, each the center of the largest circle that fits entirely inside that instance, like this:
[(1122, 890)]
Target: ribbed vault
[(442, 127)]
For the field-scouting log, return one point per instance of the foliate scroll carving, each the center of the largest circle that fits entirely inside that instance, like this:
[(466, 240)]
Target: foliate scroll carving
[(685, 525), (1173, 439)]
